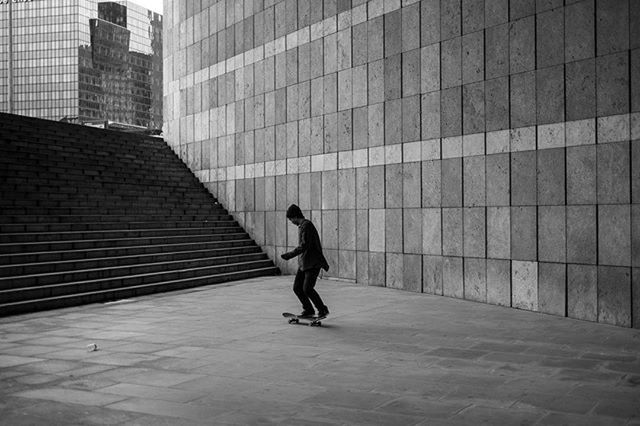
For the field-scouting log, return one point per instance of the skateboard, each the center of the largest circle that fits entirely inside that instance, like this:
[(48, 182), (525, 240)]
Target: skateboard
[(314, 321)]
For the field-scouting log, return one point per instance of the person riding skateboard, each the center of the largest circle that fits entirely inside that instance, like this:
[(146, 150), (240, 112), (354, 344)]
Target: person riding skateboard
[(310, 261)]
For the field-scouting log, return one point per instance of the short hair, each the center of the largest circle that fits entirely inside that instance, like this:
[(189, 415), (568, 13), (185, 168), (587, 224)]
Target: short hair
[(294, 211)]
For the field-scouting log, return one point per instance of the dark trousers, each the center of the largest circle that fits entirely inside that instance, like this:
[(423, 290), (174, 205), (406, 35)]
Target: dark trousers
[(303, 287)]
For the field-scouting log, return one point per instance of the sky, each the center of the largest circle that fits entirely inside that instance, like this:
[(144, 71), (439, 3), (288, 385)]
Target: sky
[(155, 5)]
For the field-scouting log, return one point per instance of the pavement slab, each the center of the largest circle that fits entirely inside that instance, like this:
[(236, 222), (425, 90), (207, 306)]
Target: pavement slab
[(224, 355)]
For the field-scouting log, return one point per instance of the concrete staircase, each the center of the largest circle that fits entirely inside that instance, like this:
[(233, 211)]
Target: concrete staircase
[(88, 215)]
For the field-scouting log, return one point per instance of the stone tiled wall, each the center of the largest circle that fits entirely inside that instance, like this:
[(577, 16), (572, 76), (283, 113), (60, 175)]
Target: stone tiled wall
[(479, 149)]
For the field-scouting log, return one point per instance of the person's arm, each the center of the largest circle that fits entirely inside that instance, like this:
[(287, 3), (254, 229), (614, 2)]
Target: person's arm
[(302, 247)]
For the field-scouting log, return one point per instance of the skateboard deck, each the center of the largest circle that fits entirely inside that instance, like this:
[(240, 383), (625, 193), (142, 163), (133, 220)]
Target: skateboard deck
[(314, 321)]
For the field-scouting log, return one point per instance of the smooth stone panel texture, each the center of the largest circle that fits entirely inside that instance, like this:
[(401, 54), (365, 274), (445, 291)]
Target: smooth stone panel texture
[(410, 27), (523, 233), (430, 68), (473, 108), (499, 282), (362, 230), (524, 279), (579, 31), (496, 12), (550, 38), (431, 183), (412, 272), (614, 295), (393, 121), (451, 62), (551, 288), (377, 269), (347, 264), (450, 19), (612, 84), (452, 231), (473, 57), (393, 226), (614, 235), (497, 103), (393, 185), (635, 235), (550, 95), (581, 234), (432, 231), (376, 225), (581, 175), (522, 45), (552, 239), (497, 180), (635, 291), (551, 176), (582, 292), (429, 22), (612, 26), (613, 173), (431, 119), (412, 230), (451, 182), (474, 233), (376, 187), (451, 111), (635, 79), (432, 274), (523, 99), (411, 76), (475, 279), (580, 86), (497, 51), (499, 232), (394, 270), (452, 277), (362, 267), (346, 229), (523, 178), (411, 119), (474, 181)]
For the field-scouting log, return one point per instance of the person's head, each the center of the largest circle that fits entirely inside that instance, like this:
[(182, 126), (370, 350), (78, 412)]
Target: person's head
[(294, 214)]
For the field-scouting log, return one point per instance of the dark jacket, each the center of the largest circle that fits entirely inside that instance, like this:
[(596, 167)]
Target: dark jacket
[(309, 248)]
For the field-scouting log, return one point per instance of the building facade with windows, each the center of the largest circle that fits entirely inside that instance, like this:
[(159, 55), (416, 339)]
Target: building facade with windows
[(84, 61)]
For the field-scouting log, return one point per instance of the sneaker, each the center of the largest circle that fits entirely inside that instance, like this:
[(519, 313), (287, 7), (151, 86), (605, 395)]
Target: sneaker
[(323, 312), (307, 314)]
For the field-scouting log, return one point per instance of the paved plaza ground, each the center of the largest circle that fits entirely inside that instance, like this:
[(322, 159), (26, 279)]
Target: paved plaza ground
[(223, 355)]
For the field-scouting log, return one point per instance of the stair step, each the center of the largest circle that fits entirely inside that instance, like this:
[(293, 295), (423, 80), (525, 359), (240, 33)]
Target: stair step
[(63, 289), (110, 226), (28, 237), (4, 219), (87, 211), (35, 280), (87, 297), (51, 256), (116, 261), (7, 248)]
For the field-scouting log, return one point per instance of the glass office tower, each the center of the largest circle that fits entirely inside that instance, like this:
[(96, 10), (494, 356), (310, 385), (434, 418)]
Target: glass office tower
[(83, 61)]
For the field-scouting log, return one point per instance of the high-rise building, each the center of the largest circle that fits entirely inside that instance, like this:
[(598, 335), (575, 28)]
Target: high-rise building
[(83, 60)]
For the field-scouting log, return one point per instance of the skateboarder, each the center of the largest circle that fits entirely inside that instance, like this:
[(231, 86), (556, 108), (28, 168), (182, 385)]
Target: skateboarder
[(310, 260)]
